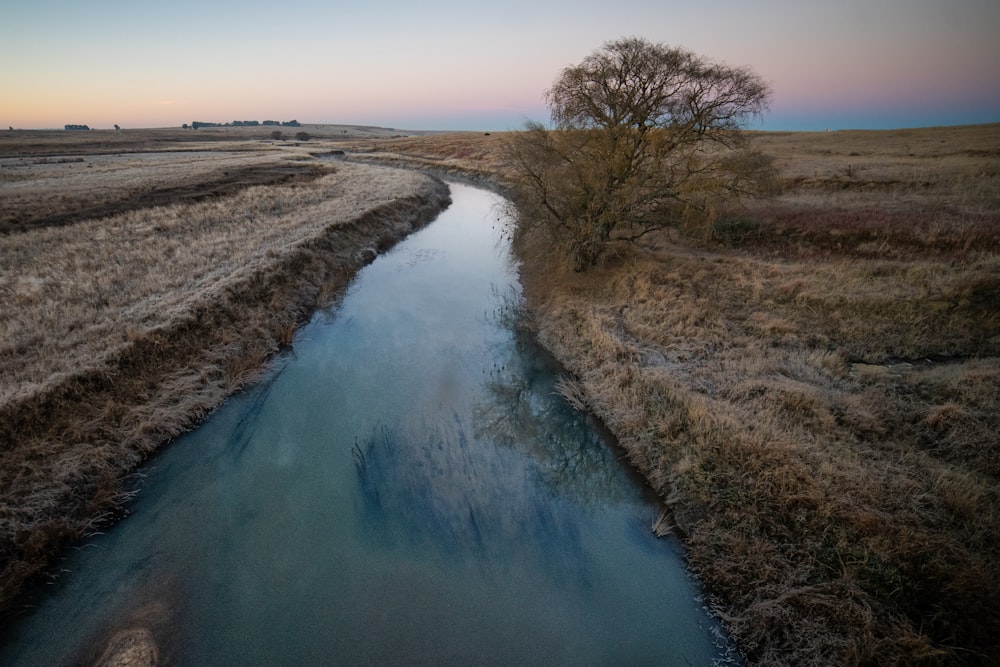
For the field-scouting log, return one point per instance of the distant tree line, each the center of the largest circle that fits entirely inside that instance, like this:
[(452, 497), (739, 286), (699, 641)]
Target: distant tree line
[(277, 135), (239, 123), (76, 127)]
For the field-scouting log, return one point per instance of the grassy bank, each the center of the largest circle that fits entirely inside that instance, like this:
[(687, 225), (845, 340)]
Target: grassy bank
[(125, 318), (813, 387)]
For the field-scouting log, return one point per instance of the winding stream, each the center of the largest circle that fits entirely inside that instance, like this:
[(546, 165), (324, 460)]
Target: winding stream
[(404, 488)]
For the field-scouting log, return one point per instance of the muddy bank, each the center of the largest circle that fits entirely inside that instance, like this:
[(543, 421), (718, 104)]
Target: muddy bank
[(67, 449)]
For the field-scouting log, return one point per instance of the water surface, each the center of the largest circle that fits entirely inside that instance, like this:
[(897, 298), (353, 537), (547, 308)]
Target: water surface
[(405, 488)]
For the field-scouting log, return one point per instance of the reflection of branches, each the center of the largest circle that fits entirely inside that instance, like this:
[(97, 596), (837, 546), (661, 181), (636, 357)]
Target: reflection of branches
[(502, 482), (527, 413), (369, 489), (533, 412), (509, 310), (359, 458), (462, 495), (505, 212)]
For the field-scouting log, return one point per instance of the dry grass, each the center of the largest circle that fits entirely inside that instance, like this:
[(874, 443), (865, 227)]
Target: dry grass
[(117, 333), (817, 399), (813, 386), (475, 156), (103, 283)]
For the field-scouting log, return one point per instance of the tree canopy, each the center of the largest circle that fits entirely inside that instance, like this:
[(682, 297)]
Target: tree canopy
[(644, 136)]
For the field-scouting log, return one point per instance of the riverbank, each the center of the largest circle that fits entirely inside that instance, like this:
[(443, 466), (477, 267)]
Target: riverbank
[(812, 386), (123, 328), (814, 389)]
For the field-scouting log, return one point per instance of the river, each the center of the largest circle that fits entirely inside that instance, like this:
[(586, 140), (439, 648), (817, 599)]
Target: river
[(404, 488)]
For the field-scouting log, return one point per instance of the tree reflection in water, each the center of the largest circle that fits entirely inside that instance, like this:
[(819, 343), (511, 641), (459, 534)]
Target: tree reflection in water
[(502, 480)]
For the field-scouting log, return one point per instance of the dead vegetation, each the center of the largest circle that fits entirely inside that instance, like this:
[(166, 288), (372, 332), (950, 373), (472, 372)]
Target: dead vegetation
[(813, 386), (469, 155), (37, 207), (119, 332)]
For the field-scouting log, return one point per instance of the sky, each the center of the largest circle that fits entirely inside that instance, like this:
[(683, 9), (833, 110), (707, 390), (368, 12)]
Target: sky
[(450, 65)]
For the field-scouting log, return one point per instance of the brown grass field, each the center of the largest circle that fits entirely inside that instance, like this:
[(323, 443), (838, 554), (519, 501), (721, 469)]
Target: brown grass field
[(812, 384)]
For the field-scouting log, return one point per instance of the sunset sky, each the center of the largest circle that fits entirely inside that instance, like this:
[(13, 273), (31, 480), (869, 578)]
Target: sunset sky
[(444, 64)]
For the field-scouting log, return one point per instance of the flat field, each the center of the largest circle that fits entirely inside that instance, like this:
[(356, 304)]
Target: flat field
[(143, 278), (812, 384)]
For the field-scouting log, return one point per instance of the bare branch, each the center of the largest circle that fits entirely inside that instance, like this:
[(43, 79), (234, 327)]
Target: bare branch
[(645, 134)]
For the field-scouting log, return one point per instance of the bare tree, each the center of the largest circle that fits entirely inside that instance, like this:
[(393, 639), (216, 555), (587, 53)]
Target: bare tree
[(645, 136)]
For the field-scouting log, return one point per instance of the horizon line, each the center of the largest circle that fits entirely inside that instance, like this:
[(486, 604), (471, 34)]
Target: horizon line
[(227, 126)]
